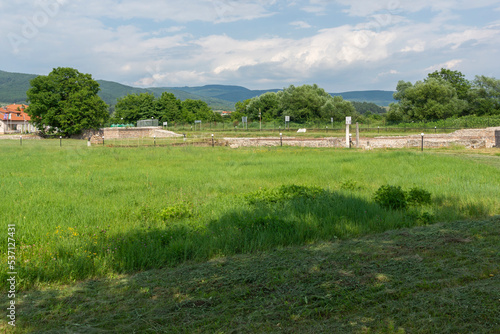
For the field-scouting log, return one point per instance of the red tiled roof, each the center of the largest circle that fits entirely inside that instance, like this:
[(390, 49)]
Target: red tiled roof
[(16, 112)]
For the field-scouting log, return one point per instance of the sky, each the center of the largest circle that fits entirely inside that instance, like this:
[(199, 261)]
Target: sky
[(341, 45)]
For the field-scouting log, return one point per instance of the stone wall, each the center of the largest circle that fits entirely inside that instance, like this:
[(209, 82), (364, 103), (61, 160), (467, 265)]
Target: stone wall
[(469, 138), (149, 132)]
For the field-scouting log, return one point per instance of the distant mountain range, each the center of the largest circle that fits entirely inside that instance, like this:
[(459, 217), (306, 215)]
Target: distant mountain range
[(13, 87)]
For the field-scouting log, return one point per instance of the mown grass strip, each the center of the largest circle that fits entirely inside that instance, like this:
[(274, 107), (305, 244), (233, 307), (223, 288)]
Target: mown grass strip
[(443, 278)]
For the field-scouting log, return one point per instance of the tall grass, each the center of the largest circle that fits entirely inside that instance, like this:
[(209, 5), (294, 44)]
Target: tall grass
[(89, 212)]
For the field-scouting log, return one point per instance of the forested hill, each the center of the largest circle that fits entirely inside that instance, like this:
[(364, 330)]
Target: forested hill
[(13, 87)]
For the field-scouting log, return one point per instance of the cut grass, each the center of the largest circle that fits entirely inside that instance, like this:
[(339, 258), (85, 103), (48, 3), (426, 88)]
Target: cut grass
[(443, 278)]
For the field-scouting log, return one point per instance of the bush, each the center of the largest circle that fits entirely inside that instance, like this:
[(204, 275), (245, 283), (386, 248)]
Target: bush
[(391, 197), (178, 211), (283, 193), (418, 196), (395, 198)]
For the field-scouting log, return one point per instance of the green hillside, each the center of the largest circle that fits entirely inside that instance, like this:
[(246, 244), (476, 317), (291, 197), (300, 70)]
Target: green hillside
[(379, 97), (13, 87)]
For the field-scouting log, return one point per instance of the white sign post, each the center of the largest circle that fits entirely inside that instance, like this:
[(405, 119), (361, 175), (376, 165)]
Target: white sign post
[(348, 121), (165, 124), (287, 121)]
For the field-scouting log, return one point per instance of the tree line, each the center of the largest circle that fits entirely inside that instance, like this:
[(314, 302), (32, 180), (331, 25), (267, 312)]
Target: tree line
[(66, 102), (303, 104), (167, 108), (444, 94)]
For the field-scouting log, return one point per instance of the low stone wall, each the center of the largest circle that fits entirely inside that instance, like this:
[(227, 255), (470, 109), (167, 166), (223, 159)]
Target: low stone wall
[(469, 138), (275, 141), (149, 132)]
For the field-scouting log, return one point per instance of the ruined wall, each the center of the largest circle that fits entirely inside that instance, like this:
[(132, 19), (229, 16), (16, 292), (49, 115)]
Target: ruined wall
[(149, 132), (470, 138)]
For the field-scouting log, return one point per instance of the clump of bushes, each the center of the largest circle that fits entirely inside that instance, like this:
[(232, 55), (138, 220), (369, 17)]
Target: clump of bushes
[(395, 198), (283, 193), (177, 211)]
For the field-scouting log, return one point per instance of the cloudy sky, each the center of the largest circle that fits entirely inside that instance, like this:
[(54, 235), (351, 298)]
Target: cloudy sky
[(341, 45)]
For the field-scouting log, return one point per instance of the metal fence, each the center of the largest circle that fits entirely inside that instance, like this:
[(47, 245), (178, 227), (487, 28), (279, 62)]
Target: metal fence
[(147, 123)]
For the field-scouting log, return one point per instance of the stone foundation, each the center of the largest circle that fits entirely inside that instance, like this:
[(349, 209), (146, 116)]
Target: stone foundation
[(469, 138), (149, 132)]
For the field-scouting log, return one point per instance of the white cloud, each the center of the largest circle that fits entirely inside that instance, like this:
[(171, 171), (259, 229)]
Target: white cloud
[(417, 45), (451, 64), (369, 7), (300, 24), (476, 36), (159, 44)]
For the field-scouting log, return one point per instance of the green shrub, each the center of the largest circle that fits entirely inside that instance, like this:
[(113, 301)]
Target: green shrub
[(282, 194), (418, 196), (178, 211), (391, 197)]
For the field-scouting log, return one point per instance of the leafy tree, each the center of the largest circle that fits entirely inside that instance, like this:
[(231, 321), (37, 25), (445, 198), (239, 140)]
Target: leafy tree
[(197, 110), (236, 116), (338, 109), (432, 99), (170, 108), (267, 104), (303, 103), (484, 96), (456, 79), (241, 106), (135, 107), (66, 101), (395, 113)]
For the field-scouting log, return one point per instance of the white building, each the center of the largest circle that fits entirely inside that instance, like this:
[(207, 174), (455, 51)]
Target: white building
[(13, 119)]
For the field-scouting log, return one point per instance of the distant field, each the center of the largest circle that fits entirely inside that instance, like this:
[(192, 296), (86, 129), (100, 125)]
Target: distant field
[(94, 212)]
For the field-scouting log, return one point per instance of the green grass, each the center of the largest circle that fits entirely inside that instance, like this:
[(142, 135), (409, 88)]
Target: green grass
[(443, 278), (317, 254), (96, 212)]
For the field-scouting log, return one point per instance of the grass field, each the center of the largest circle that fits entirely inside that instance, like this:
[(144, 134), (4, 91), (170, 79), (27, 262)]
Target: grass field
[(95, 212), (102, 213)]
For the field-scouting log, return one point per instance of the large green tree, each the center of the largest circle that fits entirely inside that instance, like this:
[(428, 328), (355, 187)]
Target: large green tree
[(198, 110), (484, 96), (134, 107), (338, 109), (432, 99), (170, 108), (455, 78), (268, 105), (66, 102), (303, 103)]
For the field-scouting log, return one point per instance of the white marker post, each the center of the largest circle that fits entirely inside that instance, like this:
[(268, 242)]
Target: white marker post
[(347, 124)]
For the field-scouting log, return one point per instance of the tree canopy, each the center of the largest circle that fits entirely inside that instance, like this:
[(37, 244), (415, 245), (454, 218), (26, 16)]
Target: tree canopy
[(66, 102), (445, 94), (167, 108), (302, 104)]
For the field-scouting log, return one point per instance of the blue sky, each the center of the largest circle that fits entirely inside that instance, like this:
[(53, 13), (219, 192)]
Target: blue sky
[(342, 45)]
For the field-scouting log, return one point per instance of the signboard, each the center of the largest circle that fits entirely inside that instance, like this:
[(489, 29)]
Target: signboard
[(287, 118), (197, 122), (332, 119), (244, 120), (348, 121), (165, 123)]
